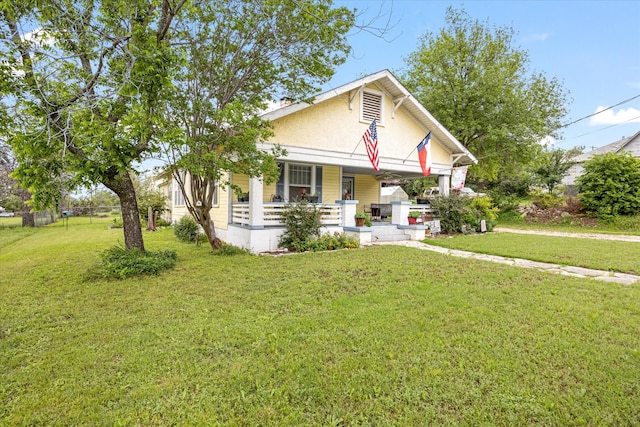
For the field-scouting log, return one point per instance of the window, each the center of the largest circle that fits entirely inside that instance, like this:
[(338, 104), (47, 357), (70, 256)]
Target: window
[(371, 106), (178, 198), (299, 181)]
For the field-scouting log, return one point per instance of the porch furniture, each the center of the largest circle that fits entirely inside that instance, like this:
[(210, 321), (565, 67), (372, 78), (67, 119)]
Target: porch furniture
[(381, 210)]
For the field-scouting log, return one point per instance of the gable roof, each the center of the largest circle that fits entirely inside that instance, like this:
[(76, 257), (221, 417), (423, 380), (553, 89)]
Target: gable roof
[(614, 147), (401, 97)]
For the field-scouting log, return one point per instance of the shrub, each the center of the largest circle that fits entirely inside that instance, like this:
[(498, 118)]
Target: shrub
[(506, 204), (453, 211), (546, 200), (482, 209), (302, 222), (610, 185), (228, 249), (120, 263), (117, 223), (186, 229)]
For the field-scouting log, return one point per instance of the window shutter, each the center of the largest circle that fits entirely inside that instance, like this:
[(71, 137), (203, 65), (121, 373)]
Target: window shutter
[(371, 106), (319, 182), (280, 183)]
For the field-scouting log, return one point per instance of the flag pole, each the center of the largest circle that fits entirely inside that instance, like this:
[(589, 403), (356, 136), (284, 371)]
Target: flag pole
[(414, 149), (357, 145)]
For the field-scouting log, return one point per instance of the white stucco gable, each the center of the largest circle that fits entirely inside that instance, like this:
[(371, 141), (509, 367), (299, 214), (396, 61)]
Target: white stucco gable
[(330, 128)]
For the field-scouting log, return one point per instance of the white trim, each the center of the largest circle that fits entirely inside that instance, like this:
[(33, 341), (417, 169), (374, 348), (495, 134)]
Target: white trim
[(380, 116)]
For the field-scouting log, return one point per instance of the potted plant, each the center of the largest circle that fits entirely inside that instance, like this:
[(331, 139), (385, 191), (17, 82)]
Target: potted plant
[(311, 198), (360, 219), (413, 217)]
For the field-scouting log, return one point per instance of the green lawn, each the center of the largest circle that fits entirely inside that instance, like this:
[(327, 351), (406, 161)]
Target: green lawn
[(373, 336), (589, 253), (618, 225)]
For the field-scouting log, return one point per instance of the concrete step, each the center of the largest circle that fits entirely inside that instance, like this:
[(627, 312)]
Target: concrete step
[(389, 233)]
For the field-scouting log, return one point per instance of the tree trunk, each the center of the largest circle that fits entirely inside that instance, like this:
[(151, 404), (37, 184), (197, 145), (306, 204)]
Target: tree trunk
[(206, 222), (122, 185), (28, 219)]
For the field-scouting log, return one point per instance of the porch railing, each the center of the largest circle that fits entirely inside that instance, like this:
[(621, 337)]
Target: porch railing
[(272, 212)]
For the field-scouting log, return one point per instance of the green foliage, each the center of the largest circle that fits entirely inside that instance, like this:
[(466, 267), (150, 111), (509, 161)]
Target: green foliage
[(414, 214), (12, 203), (331, 242), (416, 187), (84, 111), (116, 223), (228, 249), (552, 166), (546, 200), (238, 56), (453, 212), (610, 185), (154, 199), (506, 204), (302, 223), (186, 229), (482, 208), (120, 263), (475, 80)]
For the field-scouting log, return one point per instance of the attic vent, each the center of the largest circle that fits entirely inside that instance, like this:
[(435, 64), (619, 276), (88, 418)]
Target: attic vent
[(371, 106)]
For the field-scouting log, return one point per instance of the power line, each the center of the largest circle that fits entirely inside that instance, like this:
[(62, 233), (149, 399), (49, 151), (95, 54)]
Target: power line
[(601, 129), (598, 112)]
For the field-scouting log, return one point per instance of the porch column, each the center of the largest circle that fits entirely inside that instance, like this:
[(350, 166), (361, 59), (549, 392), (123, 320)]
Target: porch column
[(400, 212), (256, 206), (349, 209), (443, 184)]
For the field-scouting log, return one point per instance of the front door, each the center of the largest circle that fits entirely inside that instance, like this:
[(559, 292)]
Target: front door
[(347, 188)]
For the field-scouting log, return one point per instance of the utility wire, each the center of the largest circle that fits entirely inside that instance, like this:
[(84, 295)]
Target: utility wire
[(598, 112)]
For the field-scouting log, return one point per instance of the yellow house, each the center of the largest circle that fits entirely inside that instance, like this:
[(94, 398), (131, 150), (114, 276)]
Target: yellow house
[(326, 156)]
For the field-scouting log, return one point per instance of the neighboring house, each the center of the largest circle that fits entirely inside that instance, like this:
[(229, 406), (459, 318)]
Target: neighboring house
[(325, 156), (630, 144), (393, 193)]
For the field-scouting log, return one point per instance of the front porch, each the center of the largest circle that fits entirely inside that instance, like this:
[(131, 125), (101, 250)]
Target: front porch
[(257, 226)]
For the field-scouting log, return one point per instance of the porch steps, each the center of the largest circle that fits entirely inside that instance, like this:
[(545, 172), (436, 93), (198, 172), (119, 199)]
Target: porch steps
[(387, 233)]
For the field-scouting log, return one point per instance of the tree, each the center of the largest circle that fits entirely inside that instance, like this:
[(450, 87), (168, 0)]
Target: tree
[(12, 195), (475, 82), (82, 85), (610, 185), (240, 55), (551, 166)]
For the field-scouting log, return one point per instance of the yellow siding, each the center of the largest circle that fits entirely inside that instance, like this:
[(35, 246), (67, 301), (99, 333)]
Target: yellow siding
[(243, 182), (366, 190), (398, 136), (330, 184)]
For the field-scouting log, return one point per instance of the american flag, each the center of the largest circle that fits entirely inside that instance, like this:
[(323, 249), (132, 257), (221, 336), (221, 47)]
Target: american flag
[(371, 142)]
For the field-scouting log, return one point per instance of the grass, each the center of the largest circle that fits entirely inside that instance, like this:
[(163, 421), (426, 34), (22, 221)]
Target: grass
[(618, 225), (374, 336), (589, 253)]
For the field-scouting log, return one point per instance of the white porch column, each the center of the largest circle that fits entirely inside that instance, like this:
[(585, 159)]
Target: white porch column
[(400, 212), (256, 207), (349, 209), (444, 184)]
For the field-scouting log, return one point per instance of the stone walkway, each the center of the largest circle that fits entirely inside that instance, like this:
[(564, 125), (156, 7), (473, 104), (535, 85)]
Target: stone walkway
[(606, 276)]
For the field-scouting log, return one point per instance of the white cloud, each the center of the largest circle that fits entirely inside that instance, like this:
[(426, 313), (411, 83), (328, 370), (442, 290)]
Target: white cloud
[(611, 117), (537, 37)]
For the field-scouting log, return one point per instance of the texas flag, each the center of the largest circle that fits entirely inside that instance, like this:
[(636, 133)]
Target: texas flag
[(424, 154)]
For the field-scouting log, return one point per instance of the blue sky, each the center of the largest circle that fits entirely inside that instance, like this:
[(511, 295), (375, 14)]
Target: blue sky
[(593, 47)]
